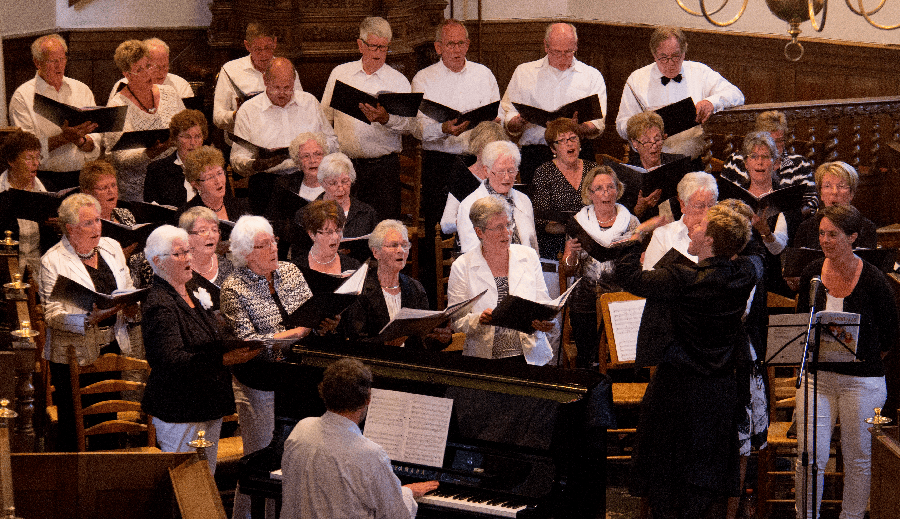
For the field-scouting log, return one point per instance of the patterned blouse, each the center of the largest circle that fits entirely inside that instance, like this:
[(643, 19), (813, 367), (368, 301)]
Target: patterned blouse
[(550, 191), (249, 307), (141, 272)]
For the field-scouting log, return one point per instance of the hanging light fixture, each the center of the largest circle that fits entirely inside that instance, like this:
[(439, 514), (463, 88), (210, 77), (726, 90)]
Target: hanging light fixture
[(794, 12)]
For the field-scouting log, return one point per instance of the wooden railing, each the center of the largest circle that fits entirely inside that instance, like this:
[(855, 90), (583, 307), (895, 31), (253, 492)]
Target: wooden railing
[(856, 131)]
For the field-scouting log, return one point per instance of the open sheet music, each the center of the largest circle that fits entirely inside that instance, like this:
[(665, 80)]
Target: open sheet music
[(76, 294), (626, 321), (328, 304), (347, 99), (413, 321), (409, 427)]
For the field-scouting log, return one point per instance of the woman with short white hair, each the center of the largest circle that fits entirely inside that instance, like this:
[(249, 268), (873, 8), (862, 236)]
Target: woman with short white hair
[(502, 268), (501, 159), (337, 175), (189, 388), (98, 263), (256, 299)]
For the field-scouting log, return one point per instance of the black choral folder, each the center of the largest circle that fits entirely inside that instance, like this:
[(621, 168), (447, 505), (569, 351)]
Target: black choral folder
[(346, 99), (442, 113), (678, 117), (784, 199), (588, 109), (517, 313), (107, 118), (141, 139), (261, 152), (76, 294)]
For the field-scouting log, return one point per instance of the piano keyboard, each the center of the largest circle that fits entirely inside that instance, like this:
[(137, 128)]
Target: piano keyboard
[(473, 501)]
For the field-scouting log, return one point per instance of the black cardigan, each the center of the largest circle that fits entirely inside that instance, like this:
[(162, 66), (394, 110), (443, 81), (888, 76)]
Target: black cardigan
[(188, 382)]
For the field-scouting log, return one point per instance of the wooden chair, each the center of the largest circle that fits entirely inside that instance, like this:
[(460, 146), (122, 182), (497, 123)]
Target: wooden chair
[(128, 415), (567, 350), (443, 254), (231, 448)]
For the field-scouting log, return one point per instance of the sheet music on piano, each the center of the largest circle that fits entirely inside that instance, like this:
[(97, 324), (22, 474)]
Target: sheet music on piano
[(411, 428)]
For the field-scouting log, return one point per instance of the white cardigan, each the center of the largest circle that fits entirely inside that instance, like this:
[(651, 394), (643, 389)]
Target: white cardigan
[(470, 275), (523, 214), (65, 323)]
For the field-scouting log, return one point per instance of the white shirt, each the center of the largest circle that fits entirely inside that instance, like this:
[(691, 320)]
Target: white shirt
[(699, 82), (331, 470), (271, 126), (670, 236), (21, 113), (310, 193), (542, 86), (361, 140), (248, 79), (181, 86), (472, 87)]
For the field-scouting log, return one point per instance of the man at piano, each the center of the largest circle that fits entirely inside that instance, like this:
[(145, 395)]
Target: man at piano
[(331, 470)]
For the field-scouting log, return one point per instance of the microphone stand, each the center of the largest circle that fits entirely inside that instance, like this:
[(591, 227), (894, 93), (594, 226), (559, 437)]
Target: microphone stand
[(810, 367)]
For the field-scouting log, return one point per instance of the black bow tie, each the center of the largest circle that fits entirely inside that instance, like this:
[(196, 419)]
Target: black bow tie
[(665, 80)]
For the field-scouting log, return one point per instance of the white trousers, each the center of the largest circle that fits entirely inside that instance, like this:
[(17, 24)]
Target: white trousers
[(852, 399), (256, 415), (174, 437)]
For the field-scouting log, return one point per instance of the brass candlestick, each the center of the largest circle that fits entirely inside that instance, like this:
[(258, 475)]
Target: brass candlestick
[(877, 421)]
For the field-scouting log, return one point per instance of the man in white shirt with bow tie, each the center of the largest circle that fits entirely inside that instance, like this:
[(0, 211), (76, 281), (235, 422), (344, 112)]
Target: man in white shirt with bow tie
[(670, 79)]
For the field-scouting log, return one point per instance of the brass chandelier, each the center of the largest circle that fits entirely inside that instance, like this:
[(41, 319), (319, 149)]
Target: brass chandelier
[(794, 12)]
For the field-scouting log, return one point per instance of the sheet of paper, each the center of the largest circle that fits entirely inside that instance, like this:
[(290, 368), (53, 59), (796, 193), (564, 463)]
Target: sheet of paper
[(409, 427), (626, 321)]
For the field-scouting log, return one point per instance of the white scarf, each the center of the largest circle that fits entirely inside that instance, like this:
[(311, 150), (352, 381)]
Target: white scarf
[(588, 220)]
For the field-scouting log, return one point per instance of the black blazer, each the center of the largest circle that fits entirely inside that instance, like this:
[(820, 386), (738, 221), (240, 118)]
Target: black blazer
[(369, 314), (188, 382), (361, 220), (164, 183), (236, 207)]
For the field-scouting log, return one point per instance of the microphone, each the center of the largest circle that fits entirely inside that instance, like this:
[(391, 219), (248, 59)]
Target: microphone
[(815, 289)]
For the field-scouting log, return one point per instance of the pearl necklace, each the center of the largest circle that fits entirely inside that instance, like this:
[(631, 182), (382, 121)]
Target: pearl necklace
[(212, 265), (87, 255), (322, 262)]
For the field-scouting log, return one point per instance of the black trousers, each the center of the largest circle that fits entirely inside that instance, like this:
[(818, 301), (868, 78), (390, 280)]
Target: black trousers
[(437, 168), (378, 184)]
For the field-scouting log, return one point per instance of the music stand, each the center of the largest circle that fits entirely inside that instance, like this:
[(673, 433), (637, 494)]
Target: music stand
[(785, 341)]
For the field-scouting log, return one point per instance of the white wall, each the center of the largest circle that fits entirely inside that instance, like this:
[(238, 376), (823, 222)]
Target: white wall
[(840, 24)]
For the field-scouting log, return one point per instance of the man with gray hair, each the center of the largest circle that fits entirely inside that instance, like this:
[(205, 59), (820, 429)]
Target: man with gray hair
[(64, 150), (331, 470), (159, 71), (272, 120), (373, 146), (697, 192), (548, 83)]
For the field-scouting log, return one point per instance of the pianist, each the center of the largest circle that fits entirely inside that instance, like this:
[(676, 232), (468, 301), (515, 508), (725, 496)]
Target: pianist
[(331, 470)]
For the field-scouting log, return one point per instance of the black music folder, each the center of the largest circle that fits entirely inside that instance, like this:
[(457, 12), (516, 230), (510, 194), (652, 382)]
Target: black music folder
[(588, 109), (356, 246), (678, 117), (517, 313), (554, 215), (442, 113), (346, 98), (76, 294), (261, 152), (145, 212), (141, 139), (38, 206), (674, 257), (590, 245), (782, 200), (241, 95), (107, 118), (328, 304), (128, 234), (795, 259), (322, 281), (414, 322), (666, 177)]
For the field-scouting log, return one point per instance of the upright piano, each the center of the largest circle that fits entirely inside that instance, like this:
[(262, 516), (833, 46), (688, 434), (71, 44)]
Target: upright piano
[(524, 441)]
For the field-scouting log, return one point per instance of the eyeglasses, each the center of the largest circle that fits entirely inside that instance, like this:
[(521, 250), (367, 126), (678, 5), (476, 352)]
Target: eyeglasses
[(310, 156), (262, 48), (662, 58), (217, 174), (561, 53), (86, 224), (205, 232), (181, 255), (268, 244), (603, 189), (761, 157), (324, 232), (346, 182), (568, 140), (828, 186), (501, 228), (455, 44), (394, 245), (507, 173), (700, 206), (376, 48), (651, 144)]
